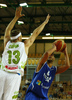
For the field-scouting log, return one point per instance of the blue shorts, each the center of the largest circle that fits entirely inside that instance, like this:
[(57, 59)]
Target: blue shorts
[(31, 96)]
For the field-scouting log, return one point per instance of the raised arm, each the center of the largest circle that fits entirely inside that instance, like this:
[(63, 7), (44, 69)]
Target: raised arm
[(62, 69), (11, 25), (36, 32), (45, 57)]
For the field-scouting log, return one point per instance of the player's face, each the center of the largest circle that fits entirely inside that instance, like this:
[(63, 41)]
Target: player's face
[(51, 57)]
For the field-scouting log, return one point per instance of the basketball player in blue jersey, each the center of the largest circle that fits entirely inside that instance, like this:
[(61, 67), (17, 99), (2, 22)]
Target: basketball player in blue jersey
[(14, 57), (44, 75)]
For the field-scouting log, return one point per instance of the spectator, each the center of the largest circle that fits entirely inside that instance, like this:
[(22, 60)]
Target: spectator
[(57, 89), (50, 95), (61, 89), (55, 95), (55, 84), (65, 83), (60, 84), (20, 94)]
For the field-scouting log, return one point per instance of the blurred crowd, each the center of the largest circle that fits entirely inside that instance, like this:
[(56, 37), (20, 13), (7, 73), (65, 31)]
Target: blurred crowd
[(58, 90)]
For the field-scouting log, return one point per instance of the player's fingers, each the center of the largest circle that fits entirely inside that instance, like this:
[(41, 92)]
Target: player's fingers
[(22, 15)]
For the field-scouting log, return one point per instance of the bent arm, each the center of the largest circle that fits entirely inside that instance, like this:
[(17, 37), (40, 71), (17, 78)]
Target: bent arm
[(45, 57), (62, 69), (36, 32)]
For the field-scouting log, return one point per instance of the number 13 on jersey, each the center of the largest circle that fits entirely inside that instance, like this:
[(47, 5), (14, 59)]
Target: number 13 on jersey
[(15, 53)]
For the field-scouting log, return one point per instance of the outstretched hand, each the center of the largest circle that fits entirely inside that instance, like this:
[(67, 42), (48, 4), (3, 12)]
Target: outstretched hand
[(18, 12), (47, 18)]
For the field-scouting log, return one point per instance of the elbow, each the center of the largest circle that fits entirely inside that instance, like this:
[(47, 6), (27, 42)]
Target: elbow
[(46, 54), (68, 66)]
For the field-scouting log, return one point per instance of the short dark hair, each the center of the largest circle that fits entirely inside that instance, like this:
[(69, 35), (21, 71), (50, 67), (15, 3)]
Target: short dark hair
[(14, 32), (49, 61)]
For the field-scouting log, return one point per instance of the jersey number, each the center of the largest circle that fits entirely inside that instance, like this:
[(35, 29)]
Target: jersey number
[(17, 56)]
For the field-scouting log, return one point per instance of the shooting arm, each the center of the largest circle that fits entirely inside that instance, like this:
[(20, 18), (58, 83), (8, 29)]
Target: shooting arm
[(62, 69), (45, 57)]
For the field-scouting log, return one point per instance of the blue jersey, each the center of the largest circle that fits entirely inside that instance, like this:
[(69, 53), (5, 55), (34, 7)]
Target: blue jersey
[(42, 80)]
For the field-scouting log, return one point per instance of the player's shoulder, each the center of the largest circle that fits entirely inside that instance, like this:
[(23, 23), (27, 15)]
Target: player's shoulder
[(20, 43), (8, 43), (54, 67)]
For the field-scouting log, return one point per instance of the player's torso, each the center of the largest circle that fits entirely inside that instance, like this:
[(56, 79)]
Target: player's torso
[(42, 81), (14, 56)]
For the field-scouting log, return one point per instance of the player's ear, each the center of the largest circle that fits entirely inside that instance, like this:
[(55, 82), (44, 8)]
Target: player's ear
[(18, 38)]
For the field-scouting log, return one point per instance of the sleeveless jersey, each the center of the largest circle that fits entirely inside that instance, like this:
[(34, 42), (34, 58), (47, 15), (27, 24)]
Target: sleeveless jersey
[(14, 58), (42, 80)]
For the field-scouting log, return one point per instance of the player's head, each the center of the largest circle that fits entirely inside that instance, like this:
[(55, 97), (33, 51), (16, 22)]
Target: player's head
[(16, 35), (51, 58)]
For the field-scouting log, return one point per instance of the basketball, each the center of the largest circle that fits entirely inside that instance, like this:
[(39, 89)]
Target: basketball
[(60, 45)]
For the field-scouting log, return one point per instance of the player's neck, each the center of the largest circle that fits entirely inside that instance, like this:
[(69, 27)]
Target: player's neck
[(50, 65), (15, 41)]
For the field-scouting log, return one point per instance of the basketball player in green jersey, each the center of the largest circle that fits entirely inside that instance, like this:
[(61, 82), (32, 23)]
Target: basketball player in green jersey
[(14, 57)]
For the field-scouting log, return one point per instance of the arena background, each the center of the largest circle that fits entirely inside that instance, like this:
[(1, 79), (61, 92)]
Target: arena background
[(59, 27)]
